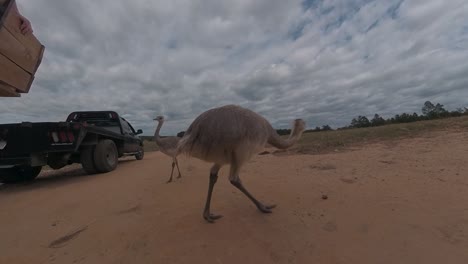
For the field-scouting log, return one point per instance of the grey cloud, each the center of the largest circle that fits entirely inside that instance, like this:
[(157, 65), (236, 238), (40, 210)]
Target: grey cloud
[(179, 58)]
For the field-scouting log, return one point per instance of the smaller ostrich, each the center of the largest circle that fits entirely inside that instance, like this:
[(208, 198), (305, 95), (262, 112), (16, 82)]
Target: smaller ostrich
[(167, 145), (232, 135)]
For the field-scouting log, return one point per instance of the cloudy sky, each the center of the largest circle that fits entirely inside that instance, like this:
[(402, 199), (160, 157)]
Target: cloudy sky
[(323, 61)]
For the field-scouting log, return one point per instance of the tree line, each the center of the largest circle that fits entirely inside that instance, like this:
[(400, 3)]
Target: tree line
[(429, 111)]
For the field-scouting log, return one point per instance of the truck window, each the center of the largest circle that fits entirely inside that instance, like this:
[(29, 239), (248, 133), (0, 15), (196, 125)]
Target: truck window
[(133, 130), (126, 128)]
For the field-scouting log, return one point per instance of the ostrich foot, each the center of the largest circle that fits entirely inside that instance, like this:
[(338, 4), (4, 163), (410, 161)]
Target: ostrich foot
[(266, 209), (211, 217)]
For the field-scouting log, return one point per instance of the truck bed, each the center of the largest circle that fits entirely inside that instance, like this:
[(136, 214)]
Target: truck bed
[(20, 140)]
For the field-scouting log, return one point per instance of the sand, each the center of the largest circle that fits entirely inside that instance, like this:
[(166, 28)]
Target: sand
[(398, 202)]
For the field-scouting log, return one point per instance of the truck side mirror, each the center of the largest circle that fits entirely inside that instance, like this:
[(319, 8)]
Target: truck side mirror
[(139, 131)]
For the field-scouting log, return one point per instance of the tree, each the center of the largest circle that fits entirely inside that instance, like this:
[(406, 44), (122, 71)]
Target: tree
[(377, 120), (326, 128), (440, 110), (404, 118), (360, 121), (283, 131), (434, 111), (428, 108), (181, 134), (455, 113)]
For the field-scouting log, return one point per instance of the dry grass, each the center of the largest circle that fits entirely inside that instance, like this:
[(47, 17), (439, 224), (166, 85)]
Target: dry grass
[(328, 141), (150, 145)]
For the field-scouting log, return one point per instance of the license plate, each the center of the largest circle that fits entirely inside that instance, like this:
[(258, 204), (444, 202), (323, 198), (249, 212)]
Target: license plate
[(3, 144)]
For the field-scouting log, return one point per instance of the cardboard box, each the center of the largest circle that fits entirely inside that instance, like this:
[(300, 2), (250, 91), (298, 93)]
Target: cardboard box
[(20, 55)]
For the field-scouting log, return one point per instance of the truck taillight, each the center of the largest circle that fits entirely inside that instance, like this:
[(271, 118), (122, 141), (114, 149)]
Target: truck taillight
[(71, 137), (62, 136), (55, 137)]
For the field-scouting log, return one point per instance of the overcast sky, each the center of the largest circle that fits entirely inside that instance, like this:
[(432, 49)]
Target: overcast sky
[(323, 61)]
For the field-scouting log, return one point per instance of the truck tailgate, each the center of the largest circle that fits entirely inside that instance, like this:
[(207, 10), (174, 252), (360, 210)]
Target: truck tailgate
[(25, 138)]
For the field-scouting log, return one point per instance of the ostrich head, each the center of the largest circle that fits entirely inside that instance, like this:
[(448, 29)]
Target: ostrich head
[(159, 118)]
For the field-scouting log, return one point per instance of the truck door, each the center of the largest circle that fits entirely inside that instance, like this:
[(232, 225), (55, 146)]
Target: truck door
[(131, 143)]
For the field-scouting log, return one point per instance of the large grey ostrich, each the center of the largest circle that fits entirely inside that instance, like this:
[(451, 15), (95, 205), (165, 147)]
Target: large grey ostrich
[(232, 135), (167, 145)]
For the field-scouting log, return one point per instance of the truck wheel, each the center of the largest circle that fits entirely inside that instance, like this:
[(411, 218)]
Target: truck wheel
[(87, 160), (106, 156), (140, 154), (19, 174)]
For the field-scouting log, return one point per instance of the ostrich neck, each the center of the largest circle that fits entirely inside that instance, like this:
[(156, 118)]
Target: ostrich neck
[(157, 138), (280, 143)]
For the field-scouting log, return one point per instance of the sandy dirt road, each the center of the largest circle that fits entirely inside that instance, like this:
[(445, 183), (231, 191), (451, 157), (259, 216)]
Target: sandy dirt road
[(387, 203)]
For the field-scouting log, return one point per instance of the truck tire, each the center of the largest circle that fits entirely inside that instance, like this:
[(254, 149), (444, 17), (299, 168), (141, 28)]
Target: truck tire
[(19, 174), (87, 160), (106, 156), (140, 154)]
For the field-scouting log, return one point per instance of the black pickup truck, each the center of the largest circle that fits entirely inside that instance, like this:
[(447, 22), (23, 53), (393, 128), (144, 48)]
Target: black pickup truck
[(96, 139)]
